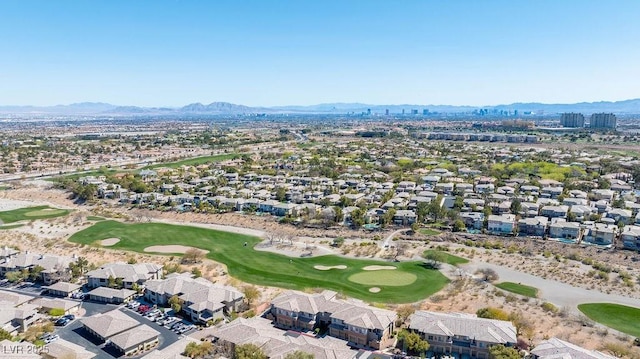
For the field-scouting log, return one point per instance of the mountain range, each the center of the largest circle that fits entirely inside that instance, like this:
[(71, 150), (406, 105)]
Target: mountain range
[(224, 108)]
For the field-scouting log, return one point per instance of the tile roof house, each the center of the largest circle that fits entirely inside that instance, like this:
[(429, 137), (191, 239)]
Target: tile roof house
[(274, 342), (62, 289), (128, 273), (111, 295), (630, 237), (62, 349), (462, 334), (105, 325), (54, 266), (555, 348), (359, 324), (135, 341), (203, 300)]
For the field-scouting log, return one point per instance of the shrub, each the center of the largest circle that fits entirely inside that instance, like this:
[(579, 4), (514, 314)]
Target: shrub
[(56, 312), (549, 307)]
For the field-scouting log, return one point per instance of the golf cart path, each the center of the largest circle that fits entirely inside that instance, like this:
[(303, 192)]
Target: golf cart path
[(560, 294)]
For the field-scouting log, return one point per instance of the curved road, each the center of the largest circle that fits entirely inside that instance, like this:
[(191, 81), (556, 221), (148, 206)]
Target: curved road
[(560, 294)]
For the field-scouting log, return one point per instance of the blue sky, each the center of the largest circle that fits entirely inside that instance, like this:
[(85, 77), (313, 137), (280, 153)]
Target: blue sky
[(265, 53)]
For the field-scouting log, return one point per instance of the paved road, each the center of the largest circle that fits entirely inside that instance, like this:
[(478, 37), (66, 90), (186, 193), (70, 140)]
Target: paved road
[(560, 294), (387, 241)]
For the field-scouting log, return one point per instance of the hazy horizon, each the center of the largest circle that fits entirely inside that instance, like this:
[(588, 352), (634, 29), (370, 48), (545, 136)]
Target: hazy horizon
[(265, 54)]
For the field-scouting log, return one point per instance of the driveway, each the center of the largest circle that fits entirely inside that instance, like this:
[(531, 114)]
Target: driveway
[(560, 294)]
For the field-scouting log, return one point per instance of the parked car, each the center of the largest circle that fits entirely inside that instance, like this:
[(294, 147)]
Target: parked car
[(133, 305), (51, 338), (62, 322), (143, 308), (70, 317)]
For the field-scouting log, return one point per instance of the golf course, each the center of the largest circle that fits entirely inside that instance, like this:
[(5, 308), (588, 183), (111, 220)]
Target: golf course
[(616, 316), (394, 282), (30, 213)]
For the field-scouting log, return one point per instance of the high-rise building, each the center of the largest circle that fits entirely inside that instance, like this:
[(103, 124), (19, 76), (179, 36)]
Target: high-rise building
[(603, 120), (386, 112), (572, 120), (425, 112), (414, 112)]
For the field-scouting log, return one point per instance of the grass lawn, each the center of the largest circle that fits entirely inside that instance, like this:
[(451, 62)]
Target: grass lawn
[(95, 218), (266, 268), (195, 161), (428, 231), (383, 277), (516, 288), (30, 213), (11, 226), (616, 316), (448, 258)]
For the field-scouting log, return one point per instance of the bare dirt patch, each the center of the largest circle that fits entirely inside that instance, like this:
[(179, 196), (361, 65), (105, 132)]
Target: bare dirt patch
[(377, 267), (374, 290), (109, 242), (174, 248), (320, 267)]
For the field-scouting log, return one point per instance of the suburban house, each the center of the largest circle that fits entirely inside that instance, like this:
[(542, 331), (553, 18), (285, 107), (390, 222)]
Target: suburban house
[(630, 237), (621, 215), (600, 233), (361, 325), (554, 211), (462, 334), (405, 217), (16, 313), (536, 226), (7, 252), (203, 301), (555, 348), (276, 343), (53, 267), (128, 274), (472, 220), (503, 224), (565, 230)]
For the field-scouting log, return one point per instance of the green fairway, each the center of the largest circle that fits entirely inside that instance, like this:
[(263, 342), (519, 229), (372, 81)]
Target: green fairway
[(195, 161), (266, 268), (616, 316), (428, 231), (11, 226), (448, 258), (378, 278), (516, 288), (30, 213), (95, 218)]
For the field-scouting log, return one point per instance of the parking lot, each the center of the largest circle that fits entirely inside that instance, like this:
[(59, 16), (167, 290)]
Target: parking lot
[(75, 333)]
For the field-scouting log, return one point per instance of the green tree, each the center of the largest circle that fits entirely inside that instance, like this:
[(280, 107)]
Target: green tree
[(412, 342), (34, 272), (516, 206), (357, 217), (458, 226), (249, 351), (281, 194), (404, 312), (197, 273), (387, 217), (422, 210), (492, 313), (176, 303), (14, 277), (298, 354), (111, 282), (434, 258), (5, 335), (251, 293), (195, 350), (503, 352)]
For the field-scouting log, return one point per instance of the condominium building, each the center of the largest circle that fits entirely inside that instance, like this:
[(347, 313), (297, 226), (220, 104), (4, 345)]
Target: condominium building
[(603, 120), (572, 120)]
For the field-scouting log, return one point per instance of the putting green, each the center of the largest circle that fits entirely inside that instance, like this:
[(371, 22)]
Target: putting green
[(46, 212), (383, 277)]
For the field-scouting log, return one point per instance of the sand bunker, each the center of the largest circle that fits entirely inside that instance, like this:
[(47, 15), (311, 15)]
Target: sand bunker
[(376, 267), (109, 242), (319, 267), (374, 290), (174, 248)]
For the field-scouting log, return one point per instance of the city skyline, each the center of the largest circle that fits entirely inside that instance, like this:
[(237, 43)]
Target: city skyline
[(254, 53)]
